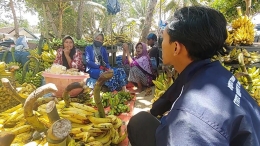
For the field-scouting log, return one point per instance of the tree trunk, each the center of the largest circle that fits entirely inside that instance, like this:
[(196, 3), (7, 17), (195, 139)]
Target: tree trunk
[(248, 7), (54, 28), (16, 25), (148, 20), (60, 19), (80, 18)]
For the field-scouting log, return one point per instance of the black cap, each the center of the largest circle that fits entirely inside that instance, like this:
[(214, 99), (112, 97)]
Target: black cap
[(152, 36)]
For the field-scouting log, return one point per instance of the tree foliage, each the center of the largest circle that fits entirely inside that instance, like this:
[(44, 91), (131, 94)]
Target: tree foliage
[(228, 8)]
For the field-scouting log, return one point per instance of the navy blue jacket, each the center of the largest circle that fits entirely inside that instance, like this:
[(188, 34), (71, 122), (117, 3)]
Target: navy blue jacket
[(211, 109), (91, 67)]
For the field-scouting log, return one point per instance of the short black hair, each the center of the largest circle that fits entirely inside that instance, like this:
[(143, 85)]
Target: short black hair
[(200, 29)]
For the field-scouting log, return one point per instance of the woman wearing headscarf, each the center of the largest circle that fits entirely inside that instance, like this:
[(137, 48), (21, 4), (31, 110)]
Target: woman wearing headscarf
[(69, 56), (97, 63), (140, 66)]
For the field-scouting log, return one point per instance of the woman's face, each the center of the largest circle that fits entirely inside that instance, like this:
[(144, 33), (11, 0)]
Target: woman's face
[(68, 44), (99, 38), (139, 49)]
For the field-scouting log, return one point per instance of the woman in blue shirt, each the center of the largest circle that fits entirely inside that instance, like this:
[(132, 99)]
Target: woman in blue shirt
[(97, 63)]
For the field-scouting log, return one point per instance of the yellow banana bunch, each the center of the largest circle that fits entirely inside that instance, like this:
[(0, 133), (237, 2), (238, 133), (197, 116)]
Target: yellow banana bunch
[(229, 40), (243, 31), (85, 126), (26, 89), (48, 57), (45, 47), (2, 67), (161, 85)]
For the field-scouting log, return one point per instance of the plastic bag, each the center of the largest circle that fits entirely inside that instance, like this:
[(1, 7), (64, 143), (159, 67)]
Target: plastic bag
[(22, 41)]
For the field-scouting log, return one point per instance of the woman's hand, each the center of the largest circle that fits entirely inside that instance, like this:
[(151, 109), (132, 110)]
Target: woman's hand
[(125, 47), (66, 51)]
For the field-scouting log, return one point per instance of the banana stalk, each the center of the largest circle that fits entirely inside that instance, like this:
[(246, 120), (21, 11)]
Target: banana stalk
[(6, 83), (12, 53), (4, 55), (244, 71), (29, 104), (52, 112), (6, 138), (36, 70), (101, 80), (59, 132), (65, 94)]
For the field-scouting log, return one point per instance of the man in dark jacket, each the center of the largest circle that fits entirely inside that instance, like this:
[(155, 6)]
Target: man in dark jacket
[(154, 51), (207, 105)]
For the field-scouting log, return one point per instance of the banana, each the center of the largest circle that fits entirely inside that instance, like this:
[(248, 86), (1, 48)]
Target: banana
[(103, 126), (86, 136), (108, 143), (75, 114), (21, 129), (75, 131), (118, 123), (78, 121), (94, 143), (76, 110), (158, 85), (121, 138), (105, 138), (96, 120), (84, 107), (113, 118), (91, 139)]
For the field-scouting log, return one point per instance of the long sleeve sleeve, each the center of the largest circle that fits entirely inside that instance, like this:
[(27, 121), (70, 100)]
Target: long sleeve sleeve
[(90, 58), (180, 127), (77, 61), (58, 59), (105, 57)]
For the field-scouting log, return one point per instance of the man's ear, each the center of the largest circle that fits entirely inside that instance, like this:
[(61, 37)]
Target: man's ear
[(178, 47)]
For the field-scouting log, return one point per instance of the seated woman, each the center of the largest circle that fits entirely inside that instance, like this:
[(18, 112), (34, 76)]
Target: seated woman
[(140, 66), (97, 63), (69, 56)]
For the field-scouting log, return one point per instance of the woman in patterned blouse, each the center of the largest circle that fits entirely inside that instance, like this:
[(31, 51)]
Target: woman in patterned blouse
[(69, 56)]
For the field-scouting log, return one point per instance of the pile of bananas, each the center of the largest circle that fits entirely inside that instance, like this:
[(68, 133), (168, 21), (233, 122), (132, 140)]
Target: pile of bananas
[(87, 127), (32, 63), (81, 43), (161, 85), (242, 32), (118, 102), (249, 57), (116, 39), (55, 43), (48, 57), (2, 67), (254, 74), (6, 100), (26, 89)]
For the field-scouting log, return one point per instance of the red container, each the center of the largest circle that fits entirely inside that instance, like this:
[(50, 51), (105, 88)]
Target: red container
[(62, 81)]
